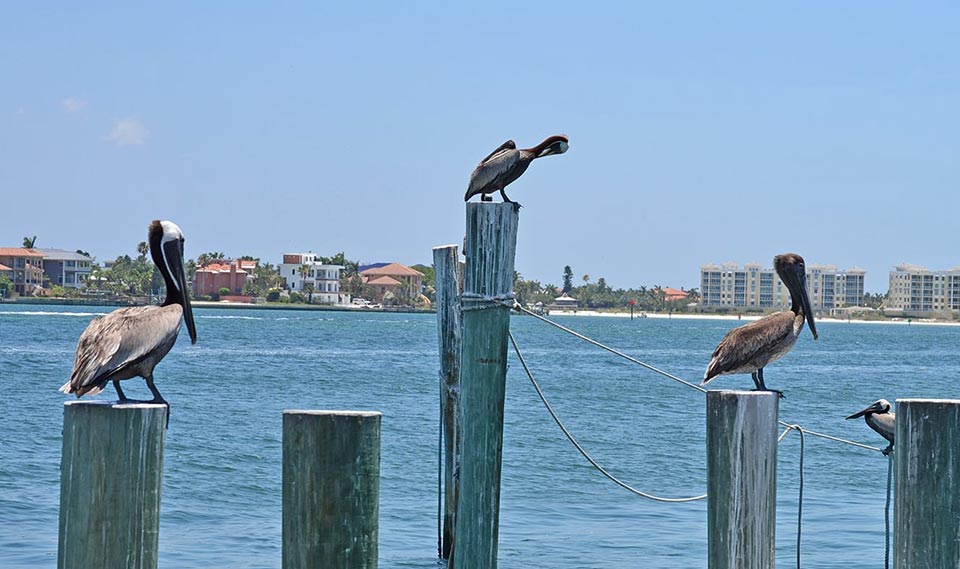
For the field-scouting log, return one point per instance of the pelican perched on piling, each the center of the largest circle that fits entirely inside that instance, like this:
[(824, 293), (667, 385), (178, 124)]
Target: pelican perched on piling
[(879, 418), (129, 342), (748, 349), (506, 164)]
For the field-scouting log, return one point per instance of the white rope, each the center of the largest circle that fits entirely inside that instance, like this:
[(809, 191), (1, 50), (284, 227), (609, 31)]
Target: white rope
[(800, 430), (583, 452), (520, 308), (484, 302), (886, 514), (611, 350)]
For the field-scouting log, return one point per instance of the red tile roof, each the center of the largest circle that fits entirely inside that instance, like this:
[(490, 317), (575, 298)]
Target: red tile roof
[(218, 268), (4, 268), (674, 294), (382, 280), (19, 252), (392, 269)]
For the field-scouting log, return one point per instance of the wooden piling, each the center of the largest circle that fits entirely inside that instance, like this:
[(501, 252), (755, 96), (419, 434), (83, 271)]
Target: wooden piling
[(111, 471), (331, 489), (491, 242), (741, 479), (926, 511), (449, 279)]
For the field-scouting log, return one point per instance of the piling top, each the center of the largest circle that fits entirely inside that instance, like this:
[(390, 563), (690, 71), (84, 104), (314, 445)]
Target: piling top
[(738, 393), (115, 404), (438, 247), (928, 401), (325, 412)]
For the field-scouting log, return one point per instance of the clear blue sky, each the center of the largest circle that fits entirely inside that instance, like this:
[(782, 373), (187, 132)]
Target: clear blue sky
[(698, 132)]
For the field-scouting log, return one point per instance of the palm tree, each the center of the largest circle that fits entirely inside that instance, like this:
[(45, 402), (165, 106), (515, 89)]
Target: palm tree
[(29, 242), (304, 271)]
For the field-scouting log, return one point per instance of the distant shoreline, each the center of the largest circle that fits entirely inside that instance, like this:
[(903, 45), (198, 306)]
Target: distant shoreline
[(749, 317), (409, 310), (210, 304)]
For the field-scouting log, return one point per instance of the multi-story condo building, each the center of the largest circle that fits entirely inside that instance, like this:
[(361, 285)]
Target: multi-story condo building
[(916, 289), (65, 268), (301, 269), (757, 287)]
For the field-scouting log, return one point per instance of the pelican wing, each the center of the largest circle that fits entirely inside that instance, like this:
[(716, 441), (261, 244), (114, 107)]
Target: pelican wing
[(884, 424), (492, 169), (117, 340), (744, 344), (508, 145)]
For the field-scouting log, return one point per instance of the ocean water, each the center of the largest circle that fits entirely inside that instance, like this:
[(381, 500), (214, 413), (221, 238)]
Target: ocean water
[(222, 493)]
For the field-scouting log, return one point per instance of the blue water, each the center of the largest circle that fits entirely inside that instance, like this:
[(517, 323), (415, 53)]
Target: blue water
[(222, 493)]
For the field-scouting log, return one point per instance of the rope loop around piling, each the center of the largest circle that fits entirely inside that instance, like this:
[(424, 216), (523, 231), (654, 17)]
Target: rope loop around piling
[(473, 301)]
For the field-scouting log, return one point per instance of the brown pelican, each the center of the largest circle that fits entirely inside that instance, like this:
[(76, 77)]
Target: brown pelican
[(506, 164), (879, 418), (748, 349), (129, 342)]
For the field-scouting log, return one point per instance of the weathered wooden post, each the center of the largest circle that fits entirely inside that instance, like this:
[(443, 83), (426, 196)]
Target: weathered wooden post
[(331, 489), (741, 479), (926, 511), (488, 284), (111, 472), (448, 279)]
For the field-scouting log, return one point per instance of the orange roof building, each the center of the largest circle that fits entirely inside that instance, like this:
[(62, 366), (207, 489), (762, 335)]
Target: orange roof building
[(401, 281), (672, 294), (26, 268), (209, 279)]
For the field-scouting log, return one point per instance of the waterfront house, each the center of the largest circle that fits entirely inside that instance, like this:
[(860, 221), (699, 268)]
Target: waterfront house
[(563, 303), (65, 268), (232, 275), (302, 271), (26, 268), (673, 295), (402, 282)]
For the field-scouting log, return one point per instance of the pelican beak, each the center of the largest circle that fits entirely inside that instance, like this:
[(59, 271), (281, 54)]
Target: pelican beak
[(805, 300), (174, 252), (871, 409)]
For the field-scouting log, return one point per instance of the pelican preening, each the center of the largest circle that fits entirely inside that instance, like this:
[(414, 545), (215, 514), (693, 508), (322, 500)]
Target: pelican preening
[(748, 349), (129, 342), (879, 418), (506, 164)]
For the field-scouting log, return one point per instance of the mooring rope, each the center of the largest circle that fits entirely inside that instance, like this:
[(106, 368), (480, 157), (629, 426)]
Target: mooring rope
[(699, 388), (440, 477), (886, 514), (800, 430), (609, 349), (484, 301), (576, 444)]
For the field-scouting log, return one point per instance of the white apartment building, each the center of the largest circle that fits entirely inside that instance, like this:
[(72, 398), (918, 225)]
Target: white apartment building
[(917, 289), (301, 269), (757, 287)]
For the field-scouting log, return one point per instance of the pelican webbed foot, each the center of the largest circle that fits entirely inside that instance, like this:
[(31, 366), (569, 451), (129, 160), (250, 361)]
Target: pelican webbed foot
[(760, 386), (777, 391), (888, 450)]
